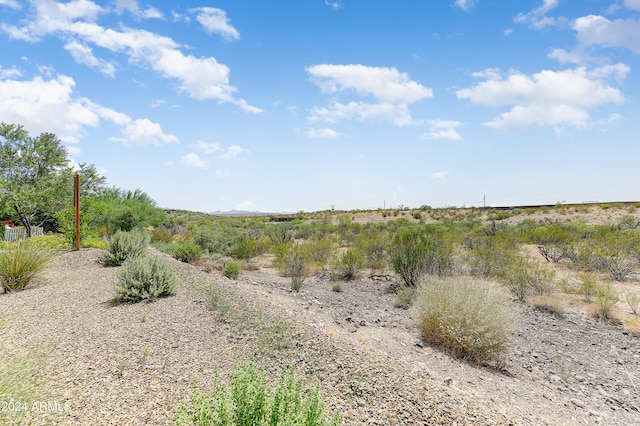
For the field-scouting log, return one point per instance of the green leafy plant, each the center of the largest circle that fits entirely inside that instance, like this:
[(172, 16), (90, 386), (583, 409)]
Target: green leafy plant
[(404, 297), (145, 279), (187, 252), (414, 253), (21, 264), (463, 317), (123, 246), (232, 270), (348, 264), (248, 401)]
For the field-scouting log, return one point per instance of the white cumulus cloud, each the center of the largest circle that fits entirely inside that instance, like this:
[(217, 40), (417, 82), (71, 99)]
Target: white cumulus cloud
[(465, 5), (233, 152), (199, 77), (598, 30), (215, 21), (83, 55), (443, 129), (555, 98), (537, 18), (390, 90), (192, 160), (13, 4), (632, 4), (48, 105), (207, 148)]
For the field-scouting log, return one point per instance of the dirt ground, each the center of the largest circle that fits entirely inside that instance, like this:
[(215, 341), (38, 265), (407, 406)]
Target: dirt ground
[(569, 369)]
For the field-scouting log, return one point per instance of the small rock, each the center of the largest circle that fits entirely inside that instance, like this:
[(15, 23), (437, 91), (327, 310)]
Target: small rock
[(448, 381), (419, 343), (594, 413), (352, 328), (363, 323), (535, 355), (578, 402)]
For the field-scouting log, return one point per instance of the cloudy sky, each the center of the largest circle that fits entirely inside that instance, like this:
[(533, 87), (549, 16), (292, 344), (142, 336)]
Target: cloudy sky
[(303, 105)]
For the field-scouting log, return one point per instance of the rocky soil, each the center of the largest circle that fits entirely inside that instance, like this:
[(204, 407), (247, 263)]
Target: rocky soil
[(134, 363)]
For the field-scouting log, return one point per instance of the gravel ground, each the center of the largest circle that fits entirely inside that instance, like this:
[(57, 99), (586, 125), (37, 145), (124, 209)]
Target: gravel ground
[(133, 363)]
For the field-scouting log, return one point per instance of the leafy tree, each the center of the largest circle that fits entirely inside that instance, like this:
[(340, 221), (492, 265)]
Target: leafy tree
[(36, 179)]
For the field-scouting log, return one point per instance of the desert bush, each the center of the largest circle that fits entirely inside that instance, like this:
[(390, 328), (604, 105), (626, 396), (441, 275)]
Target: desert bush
[(524, 277), (145, 279), (588, 285), (161, 234), (404, 298), (605, 300), (247, 247), (347, 265), (373, 245), (462, 316), (295, 265), (123, 246), (21, 264), (551, 303), (187, 252), (320, 251), (414, 254), (232, 270), (279, 233), (249, 402), (633, 300)]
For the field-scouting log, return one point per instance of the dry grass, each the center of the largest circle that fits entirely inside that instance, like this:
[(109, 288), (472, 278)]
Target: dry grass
[(552, 303), (460, 315)]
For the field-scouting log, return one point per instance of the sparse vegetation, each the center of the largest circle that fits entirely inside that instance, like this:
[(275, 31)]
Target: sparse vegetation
[(187, 252), (232, 270)]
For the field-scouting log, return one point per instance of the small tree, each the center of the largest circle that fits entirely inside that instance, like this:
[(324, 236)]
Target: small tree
[(36, 179)]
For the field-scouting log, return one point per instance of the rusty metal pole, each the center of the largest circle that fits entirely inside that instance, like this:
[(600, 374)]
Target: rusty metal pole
[(76, 203)]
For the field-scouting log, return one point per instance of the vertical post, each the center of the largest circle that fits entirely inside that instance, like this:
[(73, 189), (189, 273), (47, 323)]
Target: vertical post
[(76, 203)]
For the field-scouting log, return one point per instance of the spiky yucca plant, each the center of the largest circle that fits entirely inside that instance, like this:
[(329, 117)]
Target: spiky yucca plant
[(21, 264)]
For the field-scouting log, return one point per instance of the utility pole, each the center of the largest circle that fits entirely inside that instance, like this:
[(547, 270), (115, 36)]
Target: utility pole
[(76, 203)]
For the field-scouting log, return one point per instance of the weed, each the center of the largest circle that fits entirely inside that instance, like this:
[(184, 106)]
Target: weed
[(588, 286), (551, 303), (336, 286), (348, 264), (296, 266), (21, 381)]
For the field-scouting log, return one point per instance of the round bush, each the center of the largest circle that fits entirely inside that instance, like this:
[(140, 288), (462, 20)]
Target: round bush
[(187, 252), (462, 316), (145, 279)]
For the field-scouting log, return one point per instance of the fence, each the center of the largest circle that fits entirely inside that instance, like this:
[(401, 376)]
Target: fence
[(20, 233)]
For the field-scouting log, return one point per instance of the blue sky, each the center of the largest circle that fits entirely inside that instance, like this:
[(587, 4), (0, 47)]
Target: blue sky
[(307, 104)]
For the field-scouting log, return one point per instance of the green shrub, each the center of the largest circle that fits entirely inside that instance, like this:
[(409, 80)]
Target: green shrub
[(123, 246), (247, 247), (588, 285), (463, 317), (524, 277), (249, 402), (605, 300), (21, 264), (404, 297), (232, 270), (415, 253), (187, 252), (145, 279), (295, 264), (348, 264)]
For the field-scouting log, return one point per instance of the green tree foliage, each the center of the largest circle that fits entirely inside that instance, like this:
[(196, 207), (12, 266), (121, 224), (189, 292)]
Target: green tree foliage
[(36, 179)]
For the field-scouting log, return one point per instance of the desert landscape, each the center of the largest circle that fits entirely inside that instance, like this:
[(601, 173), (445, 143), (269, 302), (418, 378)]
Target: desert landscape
[(90, 361)]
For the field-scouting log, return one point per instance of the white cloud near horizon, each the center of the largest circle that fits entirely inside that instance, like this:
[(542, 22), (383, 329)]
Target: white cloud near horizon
[(440, 176), (215, 21), (443, 129), (199, 77), (391, 90), (547, 98), (49, 106)]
